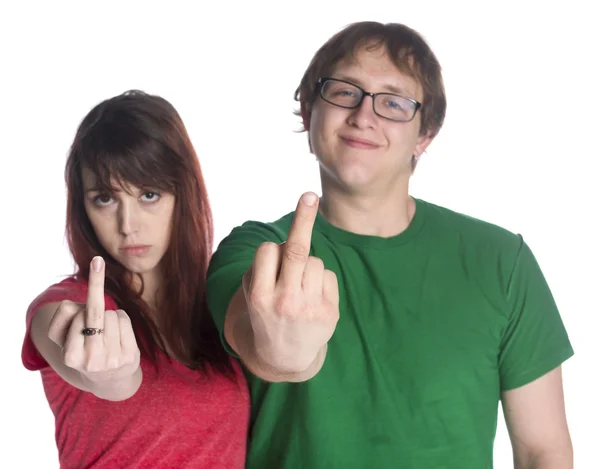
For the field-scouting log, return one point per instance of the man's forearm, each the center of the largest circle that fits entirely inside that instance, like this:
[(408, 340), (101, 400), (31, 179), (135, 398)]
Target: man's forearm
[(557, 458)]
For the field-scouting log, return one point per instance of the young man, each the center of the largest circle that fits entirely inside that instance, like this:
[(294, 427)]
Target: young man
[(380, 330)]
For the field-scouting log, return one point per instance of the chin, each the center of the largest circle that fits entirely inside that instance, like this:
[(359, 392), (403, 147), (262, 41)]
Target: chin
[(138, 265), (349, 177)]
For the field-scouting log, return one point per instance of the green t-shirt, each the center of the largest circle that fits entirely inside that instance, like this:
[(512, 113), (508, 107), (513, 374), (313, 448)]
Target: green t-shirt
[(434, 324)]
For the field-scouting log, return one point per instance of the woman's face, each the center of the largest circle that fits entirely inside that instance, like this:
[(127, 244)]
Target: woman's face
[(132, 223)]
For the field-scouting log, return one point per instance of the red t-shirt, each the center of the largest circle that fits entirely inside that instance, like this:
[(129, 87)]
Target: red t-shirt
[(178, 418)]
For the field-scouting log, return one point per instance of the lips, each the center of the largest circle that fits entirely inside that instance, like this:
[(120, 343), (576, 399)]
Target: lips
[(135, 249), (356, 142)]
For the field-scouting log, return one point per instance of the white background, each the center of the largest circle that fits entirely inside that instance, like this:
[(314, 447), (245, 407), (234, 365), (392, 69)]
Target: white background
[(519, 146)]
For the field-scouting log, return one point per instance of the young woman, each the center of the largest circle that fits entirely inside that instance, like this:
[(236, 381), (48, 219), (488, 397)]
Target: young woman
[(131, 362)]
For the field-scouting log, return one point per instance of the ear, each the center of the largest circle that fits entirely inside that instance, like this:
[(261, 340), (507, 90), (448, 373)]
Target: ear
[(305, 113), (421, 147), (422, 143)]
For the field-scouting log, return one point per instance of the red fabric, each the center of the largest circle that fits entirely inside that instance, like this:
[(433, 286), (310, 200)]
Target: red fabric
[(178, 418)]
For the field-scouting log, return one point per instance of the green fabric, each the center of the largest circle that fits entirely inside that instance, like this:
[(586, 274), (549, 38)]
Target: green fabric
[(434, 324)]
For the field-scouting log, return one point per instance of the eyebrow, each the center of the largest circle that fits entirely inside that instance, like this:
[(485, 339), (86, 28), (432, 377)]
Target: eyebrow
[(390, 88), (100, 189)]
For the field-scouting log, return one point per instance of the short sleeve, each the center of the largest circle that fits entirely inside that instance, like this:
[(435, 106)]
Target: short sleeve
[(69, 289), (231, 260), (535, 341)]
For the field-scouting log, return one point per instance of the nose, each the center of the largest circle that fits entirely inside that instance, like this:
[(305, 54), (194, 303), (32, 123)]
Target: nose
[(364, 115), (128, 217)]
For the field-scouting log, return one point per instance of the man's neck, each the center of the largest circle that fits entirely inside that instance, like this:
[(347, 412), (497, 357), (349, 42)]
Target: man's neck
[(385, 215)]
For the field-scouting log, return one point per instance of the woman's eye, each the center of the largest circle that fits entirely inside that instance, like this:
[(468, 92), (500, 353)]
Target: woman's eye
[(102, 200), (150, 196)]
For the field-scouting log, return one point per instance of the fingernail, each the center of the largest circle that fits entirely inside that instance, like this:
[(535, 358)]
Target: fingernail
[(97, 263), (310, 198)]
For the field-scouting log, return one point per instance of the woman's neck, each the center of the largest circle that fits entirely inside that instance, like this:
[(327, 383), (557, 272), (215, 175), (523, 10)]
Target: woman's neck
[(153, 283)]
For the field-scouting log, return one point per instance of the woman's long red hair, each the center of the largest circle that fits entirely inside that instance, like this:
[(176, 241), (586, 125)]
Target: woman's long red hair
[(140, 139)]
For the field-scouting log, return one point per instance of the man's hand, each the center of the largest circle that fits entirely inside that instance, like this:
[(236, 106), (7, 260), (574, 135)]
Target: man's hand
[(292, 300)]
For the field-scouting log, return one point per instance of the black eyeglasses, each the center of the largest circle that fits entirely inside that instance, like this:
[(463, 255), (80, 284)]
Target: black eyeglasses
[(348, 95)]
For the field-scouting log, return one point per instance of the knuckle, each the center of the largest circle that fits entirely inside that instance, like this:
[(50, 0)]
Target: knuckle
[(94, 314), (287, 304), (315, 263), (109, 314), (128, 359), (330, 276), (113, 362), (70, 358), (64, 310), (296, 252), (259, 299), (64, 304), (54, 330), (122, 316), (266, 248), (88, 365), (92, 366)]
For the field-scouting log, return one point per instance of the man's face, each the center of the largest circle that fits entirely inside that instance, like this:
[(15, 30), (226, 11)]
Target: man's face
[(358, 150)]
